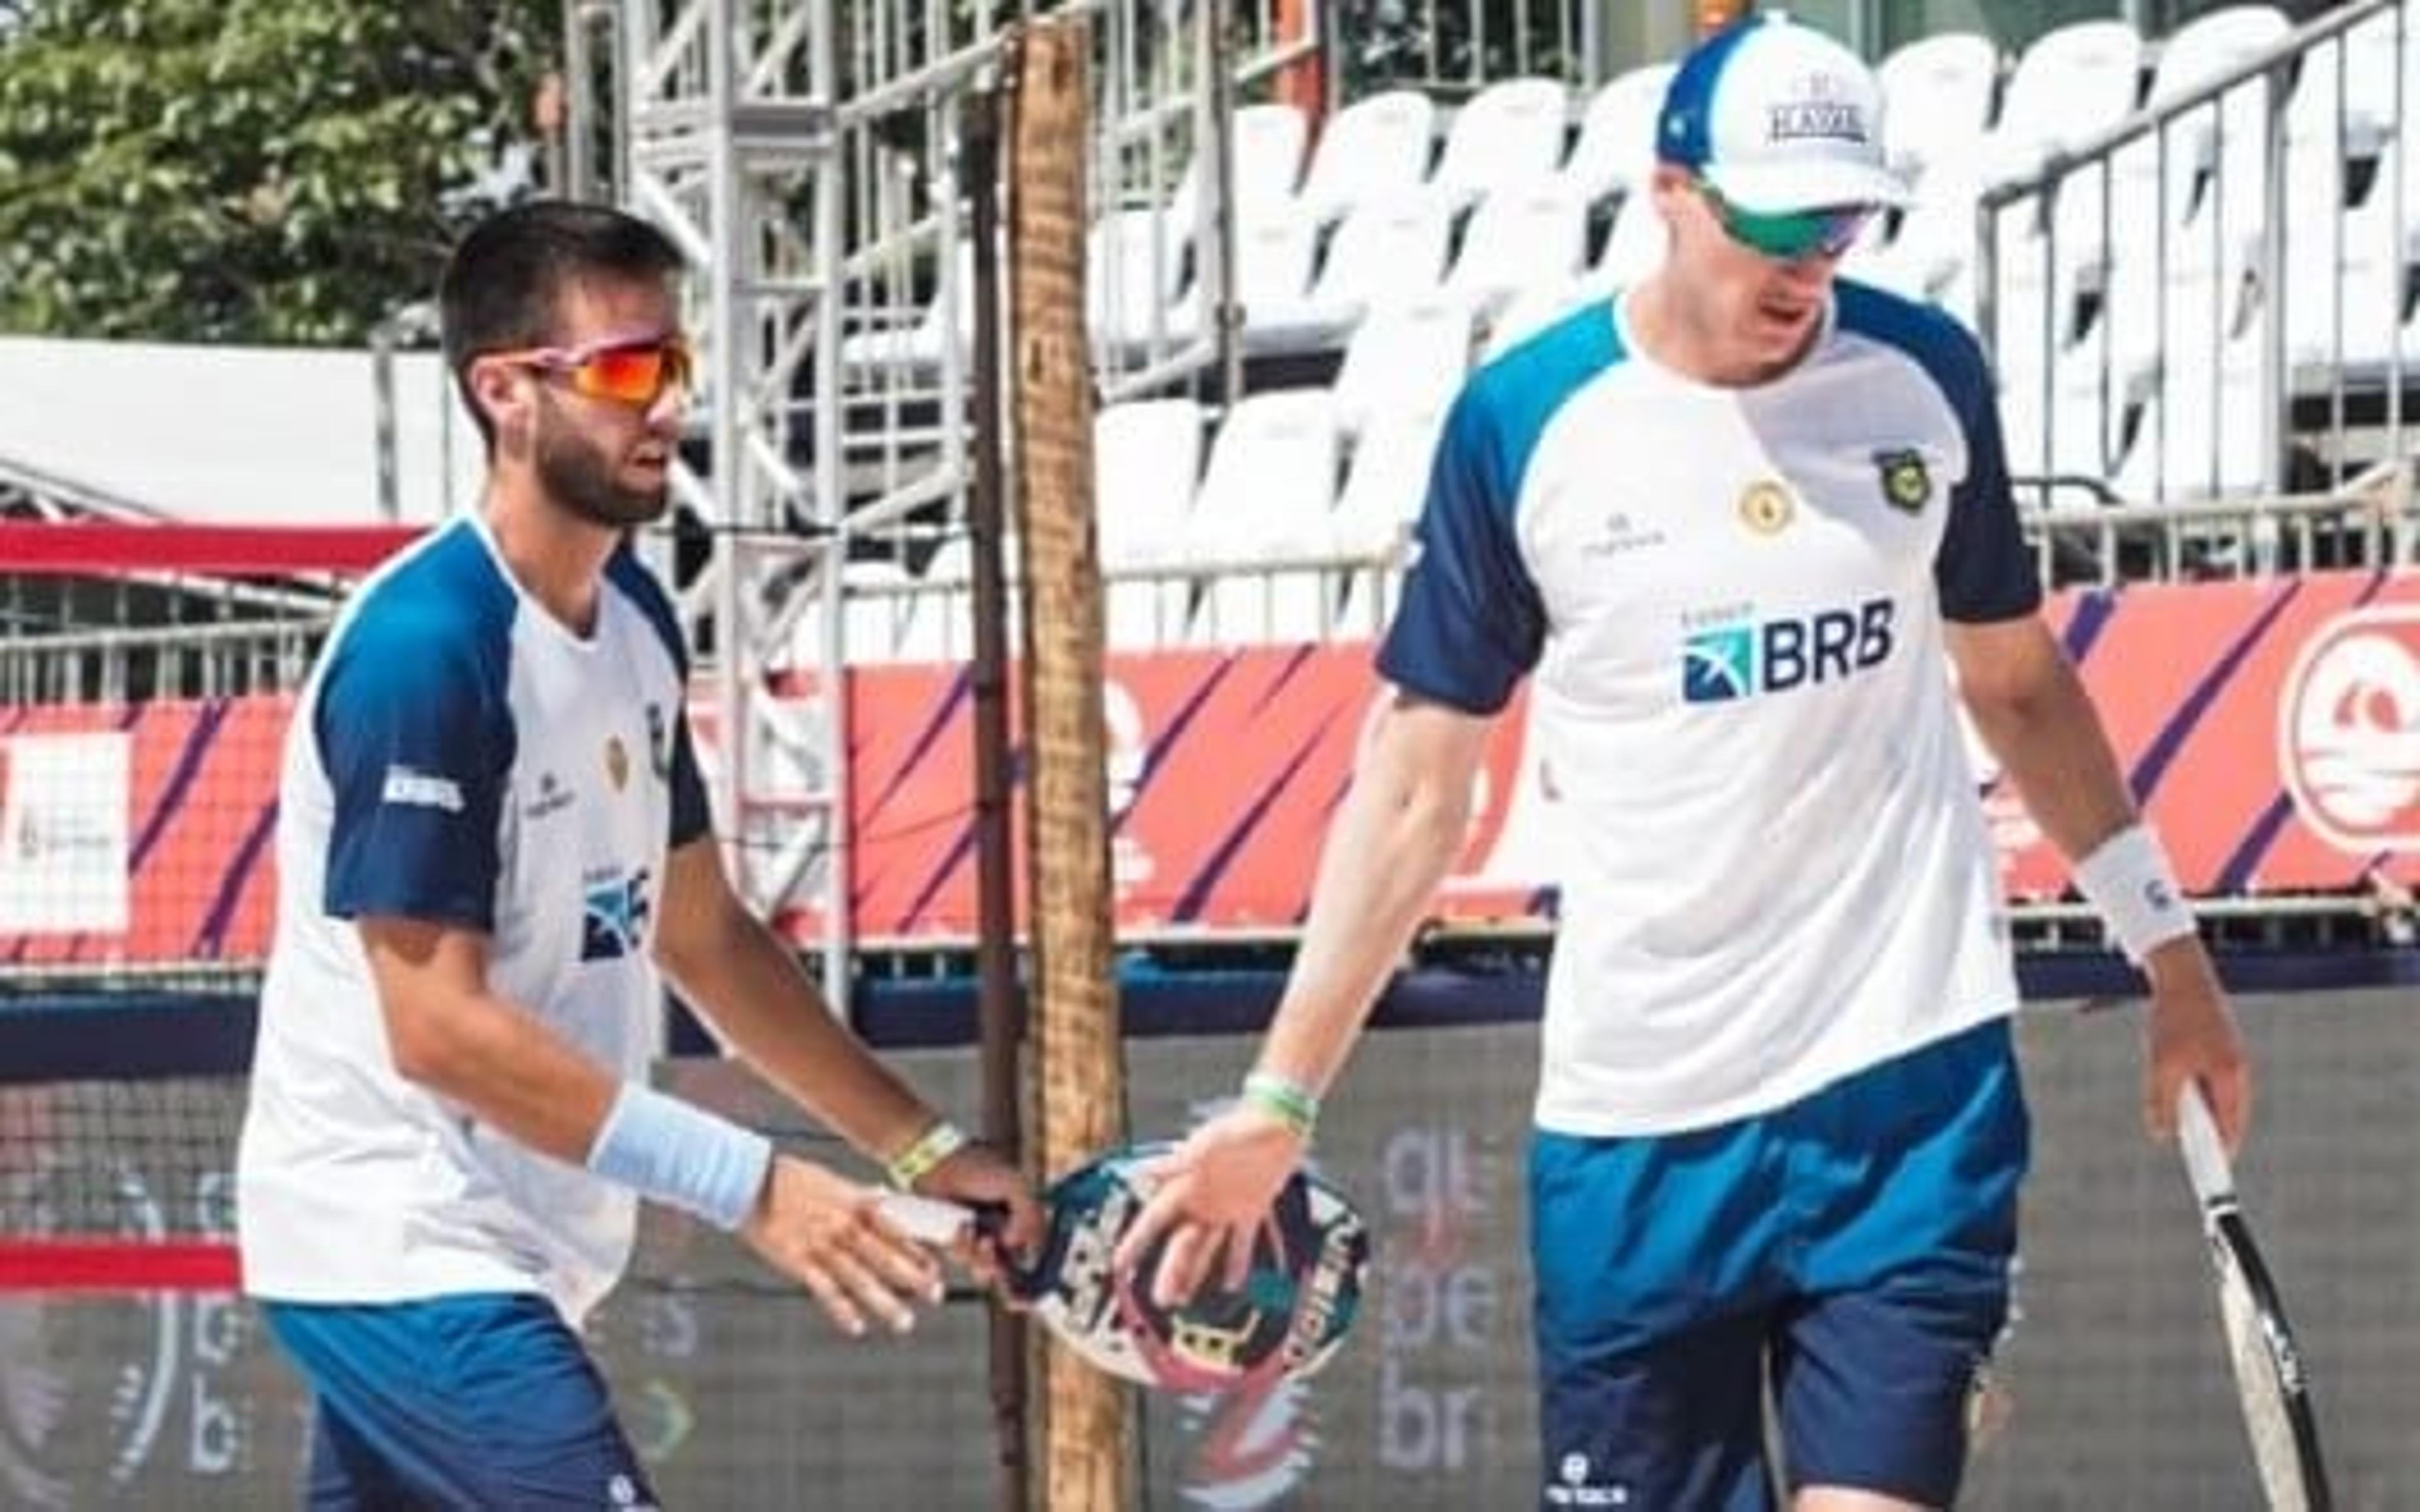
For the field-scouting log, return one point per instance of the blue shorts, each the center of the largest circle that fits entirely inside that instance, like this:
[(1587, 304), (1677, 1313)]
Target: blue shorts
[(485, 1400), (1852, 1247)]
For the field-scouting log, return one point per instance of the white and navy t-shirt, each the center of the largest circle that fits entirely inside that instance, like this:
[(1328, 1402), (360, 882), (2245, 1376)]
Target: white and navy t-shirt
[(1776, 870), (460, 757)]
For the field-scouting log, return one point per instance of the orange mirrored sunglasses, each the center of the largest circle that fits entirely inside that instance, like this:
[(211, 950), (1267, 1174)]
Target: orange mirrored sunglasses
[(633, 370)]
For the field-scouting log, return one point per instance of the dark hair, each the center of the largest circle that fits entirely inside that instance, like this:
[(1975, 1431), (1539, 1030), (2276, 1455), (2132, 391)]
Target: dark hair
[(503, 287)]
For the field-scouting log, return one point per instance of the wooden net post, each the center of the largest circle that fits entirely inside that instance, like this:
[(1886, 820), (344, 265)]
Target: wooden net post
[(1086, 1433)]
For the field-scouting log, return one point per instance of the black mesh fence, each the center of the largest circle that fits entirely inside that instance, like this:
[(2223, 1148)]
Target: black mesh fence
[(740, 1396)]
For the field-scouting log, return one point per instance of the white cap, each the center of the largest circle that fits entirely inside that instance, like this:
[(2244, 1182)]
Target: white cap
[(1779, 118)]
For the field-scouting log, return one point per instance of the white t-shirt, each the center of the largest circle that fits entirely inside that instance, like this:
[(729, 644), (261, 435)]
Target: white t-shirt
[(1777, 872), (459, 756)]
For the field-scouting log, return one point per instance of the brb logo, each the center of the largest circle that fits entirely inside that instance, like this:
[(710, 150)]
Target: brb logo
[(614, 923), (2348, 730), (1743, 657)]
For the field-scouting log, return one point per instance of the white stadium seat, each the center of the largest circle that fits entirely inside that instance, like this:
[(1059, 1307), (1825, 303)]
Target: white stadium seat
[(1388, 250), (1937, 94), (2344, 93), (2071, 85), (1616, 149), (1934, 244), (1268, 494), (1634, 248), (1404, 361), (1371, 149), (2219, 153), (1525, 236), (2071, 426), (1146, 468), (1271, 481), (1383, 490), (1265, 143), (1133, 258), (2345, 266), (1511, 132), (1273, 262), (1386, 484), (2201, 434)]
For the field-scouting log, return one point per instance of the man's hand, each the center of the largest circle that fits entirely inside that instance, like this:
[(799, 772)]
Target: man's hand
[(1210, 1196), (819, 1227), (977, 1178), (2190, 1036)]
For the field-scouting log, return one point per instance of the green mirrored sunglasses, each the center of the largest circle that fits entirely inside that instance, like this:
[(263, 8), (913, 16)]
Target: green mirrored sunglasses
[(1792, 235)]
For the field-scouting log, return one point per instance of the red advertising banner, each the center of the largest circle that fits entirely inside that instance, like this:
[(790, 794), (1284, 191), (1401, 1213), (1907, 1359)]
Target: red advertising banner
[(2271, 728)]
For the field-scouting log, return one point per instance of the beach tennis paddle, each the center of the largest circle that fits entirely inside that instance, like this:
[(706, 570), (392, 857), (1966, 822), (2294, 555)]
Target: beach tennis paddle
[(1297, 1302)]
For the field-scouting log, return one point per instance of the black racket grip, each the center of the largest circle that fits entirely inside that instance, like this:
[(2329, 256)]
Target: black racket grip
[(1024, 1282)]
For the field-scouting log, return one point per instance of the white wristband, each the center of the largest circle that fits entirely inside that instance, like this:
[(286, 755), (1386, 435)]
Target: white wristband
[(2127, 878), (677, 1153)]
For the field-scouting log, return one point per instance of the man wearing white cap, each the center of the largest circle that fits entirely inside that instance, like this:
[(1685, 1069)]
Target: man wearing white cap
[(1742, 523)]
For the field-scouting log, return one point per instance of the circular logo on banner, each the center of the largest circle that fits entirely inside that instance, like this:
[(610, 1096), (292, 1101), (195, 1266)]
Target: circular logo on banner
[(2348, 730)]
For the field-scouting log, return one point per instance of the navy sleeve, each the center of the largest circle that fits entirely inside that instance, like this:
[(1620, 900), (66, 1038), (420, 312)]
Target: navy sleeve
[(1983, 570), (690, 816), (416, 743), (1470, 623)]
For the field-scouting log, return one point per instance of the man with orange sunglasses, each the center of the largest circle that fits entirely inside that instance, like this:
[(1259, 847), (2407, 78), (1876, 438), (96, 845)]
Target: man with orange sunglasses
[(491, 835), (1740, 521)]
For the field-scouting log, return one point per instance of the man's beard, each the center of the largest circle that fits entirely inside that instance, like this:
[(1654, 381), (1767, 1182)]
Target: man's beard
[(581, 478)]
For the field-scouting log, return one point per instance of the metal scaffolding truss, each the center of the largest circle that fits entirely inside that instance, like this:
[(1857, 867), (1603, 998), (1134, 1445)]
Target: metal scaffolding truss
[(802, 153), (725, 134)]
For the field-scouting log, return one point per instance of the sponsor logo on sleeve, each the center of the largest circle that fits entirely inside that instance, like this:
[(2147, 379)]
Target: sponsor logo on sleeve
[(411, 788)]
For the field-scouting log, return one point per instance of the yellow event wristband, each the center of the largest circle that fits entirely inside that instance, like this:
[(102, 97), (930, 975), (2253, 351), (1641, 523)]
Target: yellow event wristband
[(937, 1143)]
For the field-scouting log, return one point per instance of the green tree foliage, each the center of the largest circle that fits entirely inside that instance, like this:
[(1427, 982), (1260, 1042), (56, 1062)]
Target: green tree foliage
[(279, 171)]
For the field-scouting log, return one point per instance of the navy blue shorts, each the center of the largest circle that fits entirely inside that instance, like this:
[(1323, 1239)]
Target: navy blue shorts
[(484, 1400), (1852, 1251)]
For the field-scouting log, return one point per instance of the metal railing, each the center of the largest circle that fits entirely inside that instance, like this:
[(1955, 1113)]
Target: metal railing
[(2370, 522), (2170, 354)]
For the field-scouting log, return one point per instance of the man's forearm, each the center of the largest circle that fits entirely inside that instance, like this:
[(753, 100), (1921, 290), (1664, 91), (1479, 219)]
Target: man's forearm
[(758, 997), (510, 1071), (2052, 745), (2055, 750), (1383, 861)]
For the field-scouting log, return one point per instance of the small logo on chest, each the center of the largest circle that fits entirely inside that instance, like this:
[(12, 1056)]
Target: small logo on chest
[(1906, 482), (1620, 534), (618, 763), (1765, 507), (553, 796)]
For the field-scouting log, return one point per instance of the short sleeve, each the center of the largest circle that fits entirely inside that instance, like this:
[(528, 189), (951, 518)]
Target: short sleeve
[(1983, 570), (691, 817), (1470, 624), (416, 744)]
